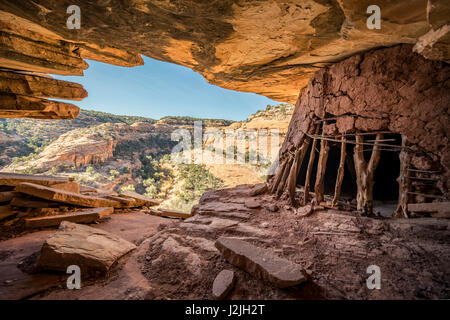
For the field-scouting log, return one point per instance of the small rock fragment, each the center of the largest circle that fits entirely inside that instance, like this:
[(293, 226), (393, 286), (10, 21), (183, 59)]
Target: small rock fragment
[(223, 284)]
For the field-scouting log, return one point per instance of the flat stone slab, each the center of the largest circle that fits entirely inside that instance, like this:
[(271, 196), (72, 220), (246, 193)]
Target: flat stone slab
[(22, 202), (14, 179), (223, 284), (170, 213), (68, 186), (65, 196), (141, 201), (261, 263), (84, 216), (125, 202), (93, 250)]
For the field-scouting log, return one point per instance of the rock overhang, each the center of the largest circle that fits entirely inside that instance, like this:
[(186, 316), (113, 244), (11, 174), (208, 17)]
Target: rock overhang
[(267, 47)]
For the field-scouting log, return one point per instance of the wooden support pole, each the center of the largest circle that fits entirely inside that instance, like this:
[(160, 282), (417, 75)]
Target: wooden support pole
[(312, 157), (365, 174), (340, 175), (404, 184), (321, 168), (298, 161), (278, 175), (286, 172)]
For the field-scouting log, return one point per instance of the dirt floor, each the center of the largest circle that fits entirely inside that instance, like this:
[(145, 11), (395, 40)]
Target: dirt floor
[(178, 260)]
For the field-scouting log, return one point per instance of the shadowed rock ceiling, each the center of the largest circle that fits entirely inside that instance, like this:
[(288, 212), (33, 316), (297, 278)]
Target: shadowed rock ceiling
[(267, 47)]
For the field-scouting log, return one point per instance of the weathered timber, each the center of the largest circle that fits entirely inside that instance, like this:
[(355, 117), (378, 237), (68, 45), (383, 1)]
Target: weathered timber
[(286, 172), (404, 184), (312, 157), (340, 174), (321, 168), (276, 180), (365, 174), (292, 179)]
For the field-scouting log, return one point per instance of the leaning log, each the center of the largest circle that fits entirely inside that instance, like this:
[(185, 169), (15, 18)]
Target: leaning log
[(404, 183), (292, 179), (365, 173), (340, 174), (321, 168), (312, 157)]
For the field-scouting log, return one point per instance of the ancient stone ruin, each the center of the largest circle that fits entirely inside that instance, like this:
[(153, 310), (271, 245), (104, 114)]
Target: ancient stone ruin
[(377, 116), (370, 127)]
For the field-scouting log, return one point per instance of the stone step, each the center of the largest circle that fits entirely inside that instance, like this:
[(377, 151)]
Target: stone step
[(85, 216), (261, 263), (14, 179), (65, 196)]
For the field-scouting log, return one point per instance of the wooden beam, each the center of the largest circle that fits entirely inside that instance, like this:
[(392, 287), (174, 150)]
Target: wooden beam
[(321, 168), (312, 157), (365, 174), (286, 172), (278, 175), (292, 180), (404, 184), (340, 174)]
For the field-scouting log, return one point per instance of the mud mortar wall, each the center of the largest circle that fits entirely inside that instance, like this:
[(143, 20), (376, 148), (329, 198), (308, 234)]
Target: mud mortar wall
[(386, 89)]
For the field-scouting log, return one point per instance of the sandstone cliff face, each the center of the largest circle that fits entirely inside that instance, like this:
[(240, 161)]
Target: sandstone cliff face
[(267, 47), (388, 89)]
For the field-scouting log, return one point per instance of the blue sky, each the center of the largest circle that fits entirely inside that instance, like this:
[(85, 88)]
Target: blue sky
[(159, 89)]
